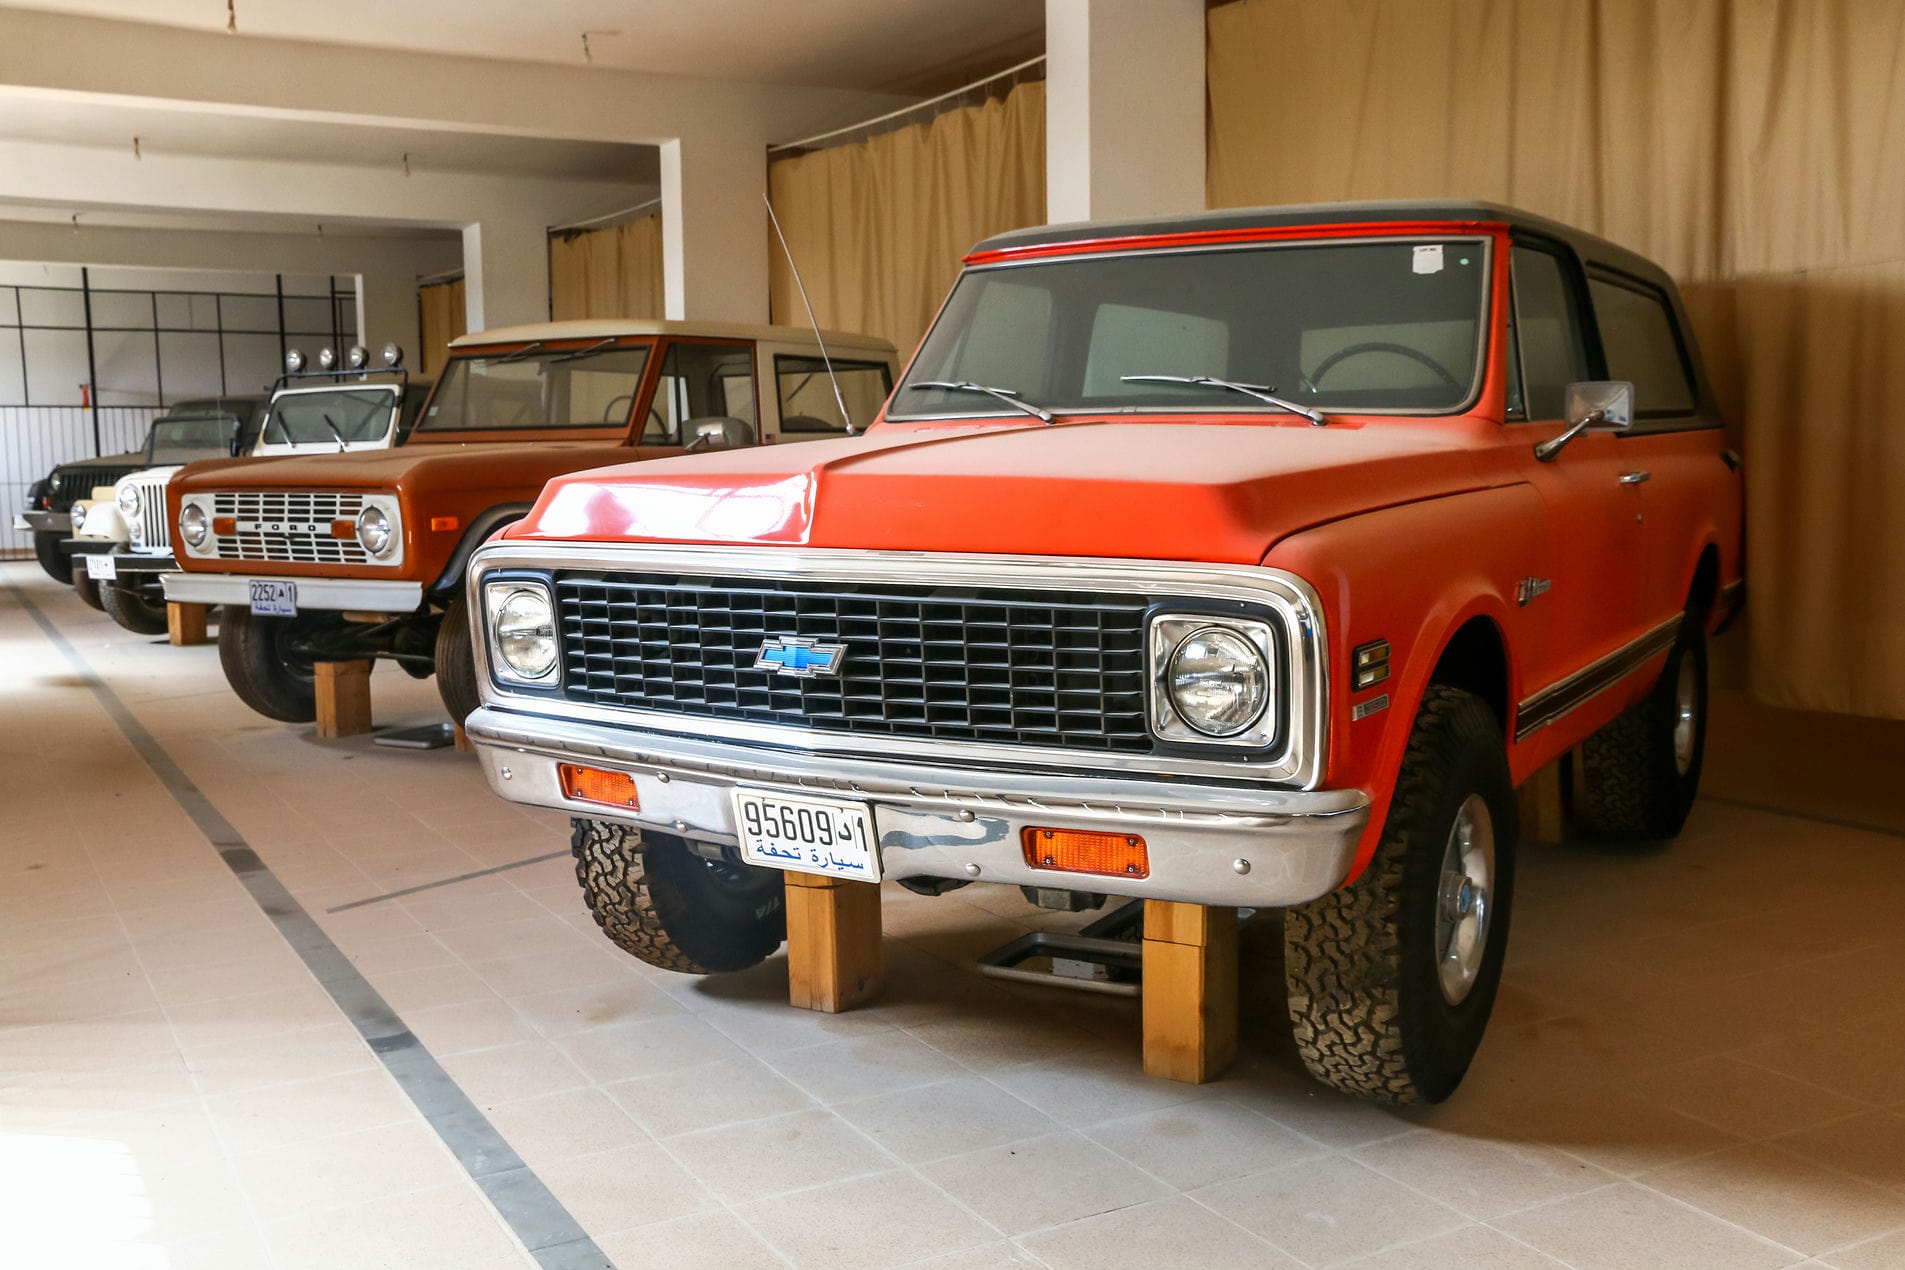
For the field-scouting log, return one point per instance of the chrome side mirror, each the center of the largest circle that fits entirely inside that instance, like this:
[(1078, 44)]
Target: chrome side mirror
[(1598, 405), (719, 432)]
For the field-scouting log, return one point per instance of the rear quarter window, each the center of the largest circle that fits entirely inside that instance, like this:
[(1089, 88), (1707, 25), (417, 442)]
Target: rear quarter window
[(1643, 345)]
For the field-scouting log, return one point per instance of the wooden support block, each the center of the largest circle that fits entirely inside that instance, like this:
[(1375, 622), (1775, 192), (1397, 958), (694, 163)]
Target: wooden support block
[(834, 957), (463, 745), (1190, 990), (1540, 798), (185, 624), (343, 698)]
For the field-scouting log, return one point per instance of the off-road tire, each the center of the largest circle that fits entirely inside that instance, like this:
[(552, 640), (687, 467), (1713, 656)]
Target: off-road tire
[(1367, 1010), (1631, 786), (456, 663), (132, 610), (46, 549), (264, 674), (87, 589), (659, 902)]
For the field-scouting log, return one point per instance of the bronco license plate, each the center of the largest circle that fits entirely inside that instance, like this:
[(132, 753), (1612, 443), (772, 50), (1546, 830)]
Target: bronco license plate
[(274, 599), (101, 567), (829, 836)]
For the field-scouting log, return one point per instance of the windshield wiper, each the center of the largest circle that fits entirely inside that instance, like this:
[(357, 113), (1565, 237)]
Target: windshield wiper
[(342, 444), (1262, 392), (1007, 395), (580, 353), (527, 350)]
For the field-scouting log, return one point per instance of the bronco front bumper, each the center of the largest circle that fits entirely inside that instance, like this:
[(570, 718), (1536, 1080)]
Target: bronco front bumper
[(1244, 846), (363, 595)]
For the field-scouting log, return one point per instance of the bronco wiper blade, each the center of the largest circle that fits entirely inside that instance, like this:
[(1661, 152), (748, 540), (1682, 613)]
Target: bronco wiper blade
[(580, 353), (527, 350), (1262, 392), (1007, 395)]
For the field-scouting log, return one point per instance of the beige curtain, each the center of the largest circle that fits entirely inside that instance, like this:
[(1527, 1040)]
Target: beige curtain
[(613, 272), (878, 227), (1756, 148), (440, 319)]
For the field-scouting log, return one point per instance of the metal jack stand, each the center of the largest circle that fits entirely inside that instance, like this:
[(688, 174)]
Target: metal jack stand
[(1111, 944)]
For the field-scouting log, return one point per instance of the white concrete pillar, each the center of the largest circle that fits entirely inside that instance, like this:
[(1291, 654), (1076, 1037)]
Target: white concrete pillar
[(714, 235), (505, 274), (1124, 108), (387, 310)]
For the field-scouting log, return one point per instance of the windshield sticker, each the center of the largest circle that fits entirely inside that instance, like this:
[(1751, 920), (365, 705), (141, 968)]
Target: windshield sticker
[(1428, 258)]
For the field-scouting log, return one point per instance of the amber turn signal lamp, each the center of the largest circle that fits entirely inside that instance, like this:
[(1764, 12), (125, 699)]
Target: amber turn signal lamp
[(1076, 851), (593, 785), (443, 524), (343, 529), (224, 526)]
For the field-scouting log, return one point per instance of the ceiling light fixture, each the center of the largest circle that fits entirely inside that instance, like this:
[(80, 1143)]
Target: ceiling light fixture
[(75, 222), (231, 17), (135, 149), (588, 54), (406, 163)]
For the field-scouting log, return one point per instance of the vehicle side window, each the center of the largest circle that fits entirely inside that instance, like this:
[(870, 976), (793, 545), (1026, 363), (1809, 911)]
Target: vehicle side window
[(1642, 343), (1548, 329), (807, 405), (700, 381)]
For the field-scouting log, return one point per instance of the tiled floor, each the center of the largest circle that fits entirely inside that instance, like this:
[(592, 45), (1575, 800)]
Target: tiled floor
[(1695, 1060)]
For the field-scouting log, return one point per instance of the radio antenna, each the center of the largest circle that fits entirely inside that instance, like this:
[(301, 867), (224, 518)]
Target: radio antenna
[(812, 321)]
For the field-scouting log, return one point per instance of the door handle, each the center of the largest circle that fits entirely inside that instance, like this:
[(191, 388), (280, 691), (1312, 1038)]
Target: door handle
[(1635, 478)]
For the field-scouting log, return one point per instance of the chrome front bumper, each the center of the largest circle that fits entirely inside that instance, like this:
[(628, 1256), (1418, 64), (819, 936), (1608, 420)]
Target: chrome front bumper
[(1208, 844), (360, 595)]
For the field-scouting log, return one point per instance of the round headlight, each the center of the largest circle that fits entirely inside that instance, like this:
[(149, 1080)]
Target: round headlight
[(77, 515), (1218, 681), (373, 531), (192, 524), (526, 633), (128, 500)]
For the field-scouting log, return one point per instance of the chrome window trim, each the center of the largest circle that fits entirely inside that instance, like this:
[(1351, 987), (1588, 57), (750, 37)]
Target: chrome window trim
[(1483, 324), (1291, 600)]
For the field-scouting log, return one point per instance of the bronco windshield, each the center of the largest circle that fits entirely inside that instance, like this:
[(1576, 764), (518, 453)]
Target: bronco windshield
[(589, 387), (183, 438), (1380, 326), (308, 418)]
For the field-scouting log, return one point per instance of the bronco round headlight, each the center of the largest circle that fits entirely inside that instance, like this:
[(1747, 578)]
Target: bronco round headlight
[(1218, 681), (373, 531), (192, 524), (128, 500), (77, 515), (526, 632)]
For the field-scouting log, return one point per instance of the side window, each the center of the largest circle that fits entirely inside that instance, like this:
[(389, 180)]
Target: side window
[(701, 381), (1548, 328), (807, 405), (1642, 343)]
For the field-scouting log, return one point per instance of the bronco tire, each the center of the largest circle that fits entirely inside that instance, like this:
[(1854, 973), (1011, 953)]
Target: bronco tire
[(661, 903), (132, 610), (1392, 978), (262, 667), (46, 549), (87, 589), (1639, 774), (456, 665)]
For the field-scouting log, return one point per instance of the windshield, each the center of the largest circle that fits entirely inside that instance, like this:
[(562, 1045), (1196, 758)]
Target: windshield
[(1388, 325), (177, 439), (574, 388), (307, 418)]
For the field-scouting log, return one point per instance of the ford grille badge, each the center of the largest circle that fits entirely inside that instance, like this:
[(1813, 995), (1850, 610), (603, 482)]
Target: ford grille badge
[(799, 657)]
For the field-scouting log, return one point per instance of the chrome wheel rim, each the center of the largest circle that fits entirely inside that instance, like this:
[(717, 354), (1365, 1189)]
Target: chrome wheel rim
[(1464, 907), (1686, 715)]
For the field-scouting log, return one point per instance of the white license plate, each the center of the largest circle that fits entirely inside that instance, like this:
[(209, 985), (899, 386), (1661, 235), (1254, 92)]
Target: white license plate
[(274, 599), (101, 567), (829, 836)]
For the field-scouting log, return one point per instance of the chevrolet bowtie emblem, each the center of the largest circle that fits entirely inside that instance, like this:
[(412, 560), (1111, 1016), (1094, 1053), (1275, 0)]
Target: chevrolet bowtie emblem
[(799, 657)]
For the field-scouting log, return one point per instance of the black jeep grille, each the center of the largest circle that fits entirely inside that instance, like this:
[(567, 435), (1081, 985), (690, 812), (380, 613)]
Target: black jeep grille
[(985, 664), (70, 484)]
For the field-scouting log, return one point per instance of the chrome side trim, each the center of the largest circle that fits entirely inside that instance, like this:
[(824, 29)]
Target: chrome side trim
[(1290, 599), (1730, 604), (1557, 700)]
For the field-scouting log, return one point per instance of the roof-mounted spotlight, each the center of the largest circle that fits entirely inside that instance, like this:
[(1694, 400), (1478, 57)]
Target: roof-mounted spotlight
[(355, 358), (392, 355), (294, 360), (327, 359)]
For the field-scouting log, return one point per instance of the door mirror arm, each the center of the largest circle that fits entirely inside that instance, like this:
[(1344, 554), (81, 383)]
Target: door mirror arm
[(1550, 450), (1597, 405)]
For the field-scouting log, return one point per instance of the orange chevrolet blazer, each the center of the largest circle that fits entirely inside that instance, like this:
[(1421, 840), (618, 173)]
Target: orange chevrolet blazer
[(333, 557), (1246, 559)]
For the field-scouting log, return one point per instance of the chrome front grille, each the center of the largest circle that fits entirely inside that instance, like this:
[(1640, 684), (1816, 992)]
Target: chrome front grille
[(281, 507), (988, 664), (152, 521)]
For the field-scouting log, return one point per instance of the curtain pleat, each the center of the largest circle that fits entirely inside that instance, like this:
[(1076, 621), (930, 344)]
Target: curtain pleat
[(441, 318), (1755, 148), (878, 227), (613, 272)]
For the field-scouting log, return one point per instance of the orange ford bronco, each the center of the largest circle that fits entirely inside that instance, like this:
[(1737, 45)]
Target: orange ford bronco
[(339, 556), (1245, 559)]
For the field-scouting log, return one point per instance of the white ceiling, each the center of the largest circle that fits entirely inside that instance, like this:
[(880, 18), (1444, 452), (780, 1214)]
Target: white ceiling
[(898, 46)]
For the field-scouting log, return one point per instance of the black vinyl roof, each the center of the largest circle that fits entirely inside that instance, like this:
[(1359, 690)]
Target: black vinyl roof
[(1590, 248)]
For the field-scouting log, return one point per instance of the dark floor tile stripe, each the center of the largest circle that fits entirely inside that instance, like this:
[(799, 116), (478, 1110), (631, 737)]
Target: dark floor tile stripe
[(431, 886), (538, 1218)]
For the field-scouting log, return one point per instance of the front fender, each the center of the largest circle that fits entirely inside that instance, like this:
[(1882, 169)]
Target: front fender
[(105, 521), (1412, 576)]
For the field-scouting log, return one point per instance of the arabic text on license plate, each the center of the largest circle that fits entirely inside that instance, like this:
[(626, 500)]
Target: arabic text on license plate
[(809, 835), (101, 567), (274, 599)]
